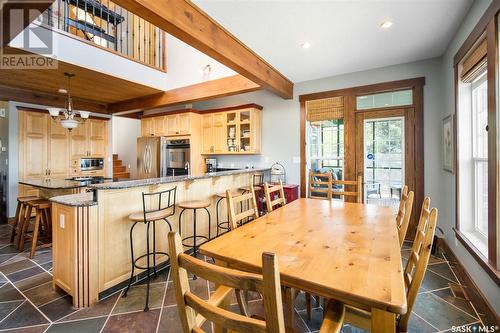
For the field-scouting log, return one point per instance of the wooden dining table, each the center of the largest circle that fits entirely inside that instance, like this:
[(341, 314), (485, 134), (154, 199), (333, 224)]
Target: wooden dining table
[(344, 251)]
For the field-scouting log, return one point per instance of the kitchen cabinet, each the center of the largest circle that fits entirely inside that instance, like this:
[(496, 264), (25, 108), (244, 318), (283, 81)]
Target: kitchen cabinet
[(167, 125), (237, 131), (46, 149)]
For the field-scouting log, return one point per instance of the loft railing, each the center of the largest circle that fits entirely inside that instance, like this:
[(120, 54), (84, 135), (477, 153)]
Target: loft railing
[(107, 25)]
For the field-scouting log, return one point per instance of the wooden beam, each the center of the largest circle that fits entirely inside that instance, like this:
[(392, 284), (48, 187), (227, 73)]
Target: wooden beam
[(13, 25), (187, 22), (231, 85), (29, 96)]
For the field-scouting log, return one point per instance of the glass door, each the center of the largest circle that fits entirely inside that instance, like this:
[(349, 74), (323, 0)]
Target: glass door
[(384, 160)]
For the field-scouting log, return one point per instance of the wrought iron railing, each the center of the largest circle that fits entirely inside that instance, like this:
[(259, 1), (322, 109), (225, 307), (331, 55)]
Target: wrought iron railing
[(107, 25)]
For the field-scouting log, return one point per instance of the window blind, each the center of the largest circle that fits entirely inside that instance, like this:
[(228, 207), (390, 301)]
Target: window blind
[(325, 109), (475, 63)]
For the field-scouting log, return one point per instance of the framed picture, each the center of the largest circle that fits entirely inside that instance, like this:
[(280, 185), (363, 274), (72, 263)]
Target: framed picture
[(448, 145)]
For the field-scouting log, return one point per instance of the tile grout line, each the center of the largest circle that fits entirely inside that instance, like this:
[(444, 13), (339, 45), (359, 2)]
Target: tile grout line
[(163, 301), (43, 314), (111, 311), (433, 290), (434, 327), (444, 277), (17, 307), (456, 307), (472, 304), (10, 329)]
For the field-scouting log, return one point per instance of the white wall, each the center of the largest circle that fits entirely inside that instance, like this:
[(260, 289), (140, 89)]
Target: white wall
[(124, 136), (281, 118)]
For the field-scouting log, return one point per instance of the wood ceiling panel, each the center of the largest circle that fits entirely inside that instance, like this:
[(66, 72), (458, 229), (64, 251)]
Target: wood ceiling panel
[(87, 84)]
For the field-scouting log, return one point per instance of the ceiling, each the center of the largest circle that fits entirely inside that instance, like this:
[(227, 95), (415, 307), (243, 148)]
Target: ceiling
[(87, 84), (345, 36)]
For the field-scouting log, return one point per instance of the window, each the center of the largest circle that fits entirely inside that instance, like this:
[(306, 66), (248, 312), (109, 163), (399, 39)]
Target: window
[(479, 122), (383, 100), (326, 149)]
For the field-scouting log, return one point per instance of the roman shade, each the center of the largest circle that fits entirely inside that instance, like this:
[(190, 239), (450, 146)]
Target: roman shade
[(475, 63), (325, 109)]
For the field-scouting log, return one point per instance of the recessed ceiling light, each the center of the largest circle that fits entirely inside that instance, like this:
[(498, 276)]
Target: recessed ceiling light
[(386, 24), (305, 45), (62, 91)]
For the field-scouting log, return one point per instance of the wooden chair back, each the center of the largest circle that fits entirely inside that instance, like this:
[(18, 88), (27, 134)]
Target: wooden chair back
[(232, 203), (269, 191), (358, 193), (320, 183), (419, 258), (193, 310), (404, 213)]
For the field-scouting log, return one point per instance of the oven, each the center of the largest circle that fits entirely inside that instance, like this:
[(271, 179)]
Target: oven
[(178, 157), (88, 164)]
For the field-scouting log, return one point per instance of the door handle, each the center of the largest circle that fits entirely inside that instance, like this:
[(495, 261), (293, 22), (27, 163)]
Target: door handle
[(144, 159)]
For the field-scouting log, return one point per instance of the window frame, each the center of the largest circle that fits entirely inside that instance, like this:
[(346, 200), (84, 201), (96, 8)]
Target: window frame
[(487, 28)]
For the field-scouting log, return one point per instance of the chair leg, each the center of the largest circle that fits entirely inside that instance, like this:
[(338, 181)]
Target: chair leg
[(308, 306), (290, 294), (38, 218), (16, 221), (242, 301), (24, 228)]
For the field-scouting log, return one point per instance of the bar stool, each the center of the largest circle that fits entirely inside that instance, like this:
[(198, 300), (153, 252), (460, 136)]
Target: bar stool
[(194, 205), (20, 215), (42, 210), (224, 225), (164, 207)]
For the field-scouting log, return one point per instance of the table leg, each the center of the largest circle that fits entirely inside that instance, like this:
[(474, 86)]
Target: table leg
[(383, 321)]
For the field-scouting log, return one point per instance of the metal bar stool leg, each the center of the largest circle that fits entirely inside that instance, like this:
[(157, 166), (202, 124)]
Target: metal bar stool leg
[(146, 308), (133, 260), (154, 249), (209, 223), (194, 233)]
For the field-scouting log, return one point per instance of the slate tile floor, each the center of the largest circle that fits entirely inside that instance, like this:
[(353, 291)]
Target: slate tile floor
[(28, 303)]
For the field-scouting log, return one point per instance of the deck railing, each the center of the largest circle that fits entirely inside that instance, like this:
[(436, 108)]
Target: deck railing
[(107, 25)]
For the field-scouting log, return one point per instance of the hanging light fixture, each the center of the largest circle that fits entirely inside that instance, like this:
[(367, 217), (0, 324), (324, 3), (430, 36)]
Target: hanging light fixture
[(68, 119)]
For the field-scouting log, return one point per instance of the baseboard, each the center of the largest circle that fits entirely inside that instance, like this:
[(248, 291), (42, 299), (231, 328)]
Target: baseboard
[(490, 317)]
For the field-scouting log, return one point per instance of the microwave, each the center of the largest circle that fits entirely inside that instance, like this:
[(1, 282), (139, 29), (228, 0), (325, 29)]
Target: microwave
[(87, 164)]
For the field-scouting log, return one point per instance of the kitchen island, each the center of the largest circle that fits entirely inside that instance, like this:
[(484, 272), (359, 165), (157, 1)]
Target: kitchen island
[(91, 231)]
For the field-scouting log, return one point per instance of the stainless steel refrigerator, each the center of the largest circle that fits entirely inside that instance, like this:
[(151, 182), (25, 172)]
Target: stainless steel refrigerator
[(151, 157)]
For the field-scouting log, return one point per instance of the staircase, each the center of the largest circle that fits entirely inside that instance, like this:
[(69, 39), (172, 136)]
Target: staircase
[(119, 170)]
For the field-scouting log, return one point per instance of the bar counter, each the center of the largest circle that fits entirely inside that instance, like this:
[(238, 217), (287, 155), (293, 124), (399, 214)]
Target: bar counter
[(91, 231)]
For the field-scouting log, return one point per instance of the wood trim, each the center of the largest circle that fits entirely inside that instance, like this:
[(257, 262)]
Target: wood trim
[(303, 158), (226, 86), (418, 100), (35, 97), (478, 30), (473, 292), (234, 107), (70, 35), (456, 151), (28, 109), (168, 113), (229, 108), (493, 169), (185, 21), (367, 89), (478, 256)]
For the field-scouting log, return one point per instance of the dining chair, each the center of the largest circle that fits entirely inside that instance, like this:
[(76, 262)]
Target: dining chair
[(270, 191), (232, 203), (194, 311), (319, 185), (358, 193), (404, 213), (413, 273)]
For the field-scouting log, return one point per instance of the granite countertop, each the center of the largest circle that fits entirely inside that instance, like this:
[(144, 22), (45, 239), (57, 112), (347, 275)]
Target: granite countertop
[(75, 200), (170, 179), (54, 184)]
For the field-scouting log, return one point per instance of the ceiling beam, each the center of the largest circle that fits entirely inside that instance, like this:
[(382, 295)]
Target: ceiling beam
[(12, 25), (185, 21), (232, 85), (34, 97)]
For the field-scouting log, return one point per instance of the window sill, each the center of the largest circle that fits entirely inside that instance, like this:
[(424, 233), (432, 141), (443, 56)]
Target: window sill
[(480, 258)]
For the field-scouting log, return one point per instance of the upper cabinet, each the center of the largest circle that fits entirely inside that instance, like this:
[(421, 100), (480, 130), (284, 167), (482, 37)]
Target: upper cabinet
[(233, 132), (167, 125), (46, 149)]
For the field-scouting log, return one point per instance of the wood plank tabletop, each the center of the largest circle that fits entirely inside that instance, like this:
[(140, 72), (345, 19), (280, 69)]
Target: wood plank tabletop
[(334, 249)]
